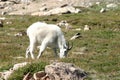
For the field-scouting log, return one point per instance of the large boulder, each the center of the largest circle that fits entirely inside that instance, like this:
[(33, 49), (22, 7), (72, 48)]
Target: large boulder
[(6, 74), (63, 10), (58, 71), (112, 5), (57, 10), (65, 71)]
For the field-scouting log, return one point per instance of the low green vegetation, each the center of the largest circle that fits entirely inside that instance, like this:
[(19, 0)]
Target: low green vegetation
[(101, 60), (32, 68)]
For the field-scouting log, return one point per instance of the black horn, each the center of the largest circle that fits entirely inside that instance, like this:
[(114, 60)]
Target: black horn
[(68, 46)]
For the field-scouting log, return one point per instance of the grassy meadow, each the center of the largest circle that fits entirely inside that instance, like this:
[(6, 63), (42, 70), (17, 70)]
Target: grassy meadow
[(101, 60)]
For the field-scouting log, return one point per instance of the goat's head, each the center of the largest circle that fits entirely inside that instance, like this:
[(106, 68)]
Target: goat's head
[(66, 48)]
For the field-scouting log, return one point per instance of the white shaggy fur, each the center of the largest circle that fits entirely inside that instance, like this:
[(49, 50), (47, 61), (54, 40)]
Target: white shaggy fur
[(43, 35)]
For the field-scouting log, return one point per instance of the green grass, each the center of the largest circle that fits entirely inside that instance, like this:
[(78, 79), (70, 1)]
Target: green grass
[(32, 68), (101, 60)]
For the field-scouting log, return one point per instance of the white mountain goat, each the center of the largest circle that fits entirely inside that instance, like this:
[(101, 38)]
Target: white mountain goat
[(43, 35)]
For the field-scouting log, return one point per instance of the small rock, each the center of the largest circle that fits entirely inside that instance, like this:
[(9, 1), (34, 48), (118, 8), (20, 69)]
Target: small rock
[(28, 76), (98, 3), (6, 74), (62, 23), (112, 5), (83, 49), (43, 9), (77, 35), (3, 13), (39, 75), (65, 24), (2, 18), (86, 28), (8, 22), (78, 29), (19, 65), (19, 34), (102, 10), (20, 57), (78, 10)]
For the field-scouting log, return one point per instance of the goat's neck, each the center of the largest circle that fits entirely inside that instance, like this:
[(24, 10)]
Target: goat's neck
[(62, 43)]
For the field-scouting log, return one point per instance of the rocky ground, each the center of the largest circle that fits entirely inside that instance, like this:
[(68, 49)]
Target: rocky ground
[(54, 71), (38, 7)]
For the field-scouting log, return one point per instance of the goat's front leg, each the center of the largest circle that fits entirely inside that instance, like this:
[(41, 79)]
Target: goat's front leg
[(42, 48), (55, 52)]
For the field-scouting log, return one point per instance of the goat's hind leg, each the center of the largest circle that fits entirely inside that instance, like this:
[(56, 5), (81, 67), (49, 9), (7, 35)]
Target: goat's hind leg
[(32, 46), (30, 50)]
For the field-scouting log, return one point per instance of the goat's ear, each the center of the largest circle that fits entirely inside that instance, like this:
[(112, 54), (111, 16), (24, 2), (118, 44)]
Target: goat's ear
[(68, 46)]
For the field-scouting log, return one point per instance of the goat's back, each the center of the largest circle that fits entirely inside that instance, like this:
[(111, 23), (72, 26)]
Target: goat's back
[(40, 31)]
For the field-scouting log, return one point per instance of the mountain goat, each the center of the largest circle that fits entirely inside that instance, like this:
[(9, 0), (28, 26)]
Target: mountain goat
[(43, 35)]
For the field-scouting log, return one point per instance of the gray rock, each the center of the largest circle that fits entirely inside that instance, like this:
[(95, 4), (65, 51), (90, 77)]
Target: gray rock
[(39, 75), (28, 76), (87, 28), (102, 10), (112, 5), (65, 71), (57, 10), (77, 35)]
